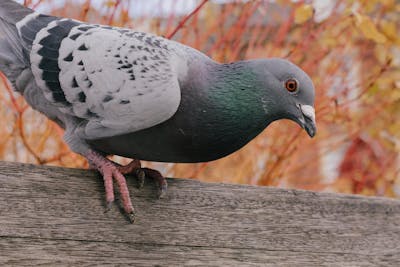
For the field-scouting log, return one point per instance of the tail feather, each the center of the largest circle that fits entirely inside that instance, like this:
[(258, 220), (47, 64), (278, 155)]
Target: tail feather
[(12, 12), (13, 56), (10, 39)]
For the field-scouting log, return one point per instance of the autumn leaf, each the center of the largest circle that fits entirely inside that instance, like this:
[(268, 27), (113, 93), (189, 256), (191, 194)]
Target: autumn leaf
[(110, 3), (368, 28), (303, 13), (389, 29), (388, 3)]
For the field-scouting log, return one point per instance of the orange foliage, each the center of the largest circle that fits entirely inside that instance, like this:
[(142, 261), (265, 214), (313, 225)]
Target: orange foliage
[(362, 165), (352, 53)]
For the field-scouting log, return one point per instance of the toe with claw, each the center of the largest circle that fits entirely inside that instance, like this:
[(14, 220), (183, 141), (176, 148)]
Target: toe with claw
[(159, 179), (111, 172), (135, 167), (114, 172)]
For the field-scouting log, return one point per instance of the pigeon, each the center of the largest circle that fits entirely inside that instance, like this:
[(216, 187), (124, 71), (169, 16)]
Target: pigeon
[(122, 92)]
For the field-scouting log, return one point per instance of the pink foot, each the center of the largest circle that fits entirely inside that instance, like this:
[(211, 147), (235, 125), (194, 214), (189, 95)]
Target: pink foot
[(111, 171), (159, 179), (134, 167)]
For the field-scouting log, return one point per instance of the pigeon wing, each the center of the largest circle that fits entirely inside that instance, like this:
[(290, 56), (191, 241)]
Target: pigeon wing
[(116, 80)]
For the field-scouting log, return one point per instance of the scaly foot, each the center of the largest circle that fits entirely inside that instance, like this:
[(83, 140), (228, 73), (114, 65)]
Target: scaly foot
[(135, 167), (159, 179), (111, 170)]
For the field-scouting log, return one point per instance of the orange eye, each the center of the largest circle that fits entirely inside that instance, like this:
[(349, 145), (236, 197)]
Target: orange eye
[(291, 85)]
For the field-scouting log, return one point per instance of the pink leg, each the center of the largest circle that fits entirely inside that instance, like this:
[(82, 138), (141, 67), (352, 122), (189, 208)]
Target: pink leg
[(109, 171)]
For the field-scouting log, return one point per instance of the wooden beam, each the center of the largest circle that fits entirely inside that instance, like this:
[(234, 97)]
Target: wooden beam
[(55, 216)]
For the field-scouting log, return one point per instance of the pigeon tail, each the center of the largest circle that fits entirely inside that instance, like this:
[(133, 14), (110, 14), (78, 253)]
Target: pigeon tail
[(13, 57), (12, 12)]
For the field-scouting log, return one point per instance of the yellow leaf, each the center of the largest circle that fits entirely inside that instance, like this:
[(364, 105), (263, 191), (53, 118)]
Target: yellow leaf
[(395, 94), (382, 53), (388, 3), (369, 5), (374, 89), (329, 42), (368, 28), (110, 3), (303, 13), (389, 29)]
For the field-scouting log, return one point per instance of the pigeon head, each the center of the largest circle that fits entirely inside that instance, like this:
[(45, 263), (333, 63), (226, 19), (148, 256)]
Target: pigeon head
[(289, 92)]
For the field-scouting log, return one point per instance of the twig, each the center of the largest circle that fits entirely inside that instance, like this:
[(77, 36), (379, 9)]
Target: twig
[(185, 19), (198, 170), (37, 4), (267, 176), (114, 11), (85, 10), (57, 157), (10, 93), (242, 26), (20, 111), (25, 142)]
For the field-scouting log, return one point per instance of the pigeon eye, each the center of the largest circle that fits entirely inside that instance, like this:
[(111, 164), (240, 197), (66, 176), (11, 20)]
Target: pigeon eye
[(291, 85)]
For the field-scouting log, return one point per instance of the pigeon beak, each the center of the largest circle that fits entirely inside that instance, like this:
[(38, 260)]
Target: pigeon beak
[(308, 120)]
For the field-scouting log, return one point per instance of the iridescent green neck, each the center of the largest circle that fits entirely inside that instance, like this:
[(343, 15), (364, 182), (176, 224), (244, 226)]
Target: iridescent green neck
[(239, 96)]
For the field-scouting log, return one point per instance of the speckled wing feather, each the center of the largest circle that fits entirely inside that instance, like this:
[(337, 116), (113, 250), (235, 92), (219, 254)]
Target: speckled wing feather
[(114, 80)]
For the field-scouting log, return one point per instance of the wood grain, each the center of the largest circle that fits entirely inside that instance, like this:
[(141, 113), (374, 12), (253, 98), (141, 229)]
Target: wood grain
[(55, 217)]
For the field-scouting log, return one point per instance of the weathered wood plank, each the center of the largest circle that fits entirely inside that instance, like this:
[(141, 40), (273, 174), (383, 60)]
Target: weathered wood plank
[(78, 253), (57, 215)]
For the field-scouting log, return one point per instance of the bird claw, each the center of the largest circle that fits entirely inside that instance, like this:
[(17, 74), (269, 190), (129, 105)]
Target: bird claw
[(159, 179), (112, 171), (134, 167), (141, 177), (108, 206), (162, 191), (131, 217)]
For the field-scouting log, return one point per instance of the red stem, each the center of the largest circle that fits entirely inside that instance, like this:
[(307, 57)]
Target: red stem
[(114, 11), (185, 19)]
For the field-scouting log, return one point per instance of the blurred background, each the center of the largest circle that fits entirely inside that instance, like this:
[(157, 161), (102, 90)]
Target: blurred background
[(351, 50)]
